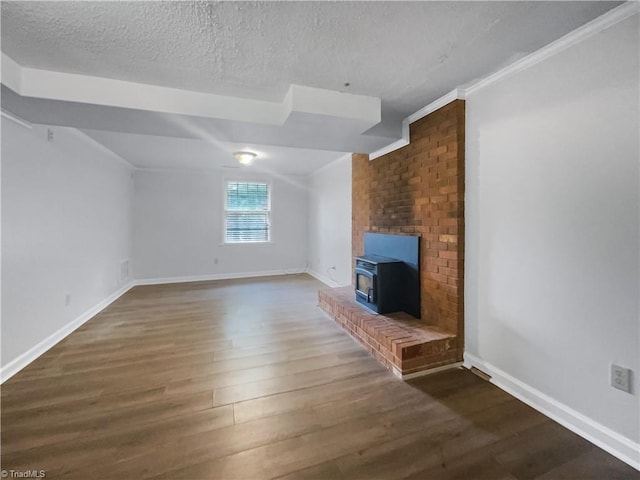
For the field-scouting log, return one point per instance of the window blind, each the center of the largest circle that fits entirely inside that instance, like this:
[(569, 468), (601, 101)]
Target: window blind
[(247, 196), (247, 212)]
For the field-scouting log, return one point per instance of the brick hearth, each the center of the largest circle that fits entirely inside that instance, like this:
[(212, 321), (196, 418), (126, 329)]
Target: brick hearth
[(400, 342)]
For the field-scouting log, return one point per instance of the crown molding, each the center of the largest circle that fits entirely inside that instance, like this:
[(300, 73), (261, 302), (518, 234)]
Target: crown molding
[(15, 119), (390, 148), (23, 123), (455, 94), (101, 147), (578, 35)]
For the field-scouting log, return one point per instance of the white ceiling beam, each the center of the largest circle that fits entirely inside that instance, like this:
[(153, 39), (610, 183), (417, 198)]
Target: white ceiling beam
[(45, 84), (11, 73)]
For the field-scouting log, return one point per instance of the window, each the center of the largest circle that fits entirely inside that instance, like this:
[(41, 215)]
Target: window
[(247, 212)]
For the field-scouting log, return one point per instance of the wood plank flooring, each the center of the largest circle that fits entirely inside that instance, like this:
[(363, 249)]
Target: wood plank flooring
[(247, 379)]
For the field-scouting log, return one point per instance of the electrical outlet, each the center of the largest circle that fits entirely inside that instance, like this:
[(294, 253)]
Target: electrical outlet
[(621, 378), (215, 261), (67, 300)]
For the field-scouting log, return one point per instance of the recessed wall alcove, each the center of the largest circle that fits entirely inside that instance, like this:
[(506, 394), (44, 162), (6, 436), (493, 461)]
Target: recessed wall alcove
[(415, 190)]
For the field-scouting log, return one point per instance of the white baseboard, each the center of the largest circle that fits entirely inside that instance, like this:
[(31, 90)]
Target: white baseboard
[(18, 363), (324, 279), (617, 445), (14, 366), (218, 276)]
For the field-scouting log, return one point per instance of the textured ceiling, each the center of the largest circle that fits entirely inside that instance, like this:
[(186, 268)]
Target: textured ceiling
[(405, 53), (398, 51)]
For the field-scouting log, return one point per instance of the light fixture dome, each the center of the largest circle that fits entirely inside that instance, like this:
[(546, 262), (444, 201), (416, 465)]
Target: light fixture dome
[(244, 158)]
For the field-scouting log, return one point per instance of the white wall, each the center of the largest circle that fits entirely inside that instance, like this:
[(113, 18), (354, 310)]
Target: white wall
[(66, 225), (552, 260), (178, 227), (330, 223)]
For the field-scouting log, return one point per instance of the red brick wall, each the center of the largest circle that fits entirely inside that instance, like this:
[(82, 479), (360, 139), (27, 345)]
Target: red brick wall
[(419, 190)]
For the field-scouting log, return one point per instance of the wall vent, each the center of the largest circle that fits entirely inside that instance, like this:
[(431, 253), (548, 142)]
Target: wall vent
[(481, 374)]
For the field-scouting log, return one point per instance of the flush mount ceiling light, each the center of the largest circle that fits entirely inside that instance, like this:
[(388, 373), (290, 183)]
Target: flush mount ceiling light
[(244, 158)]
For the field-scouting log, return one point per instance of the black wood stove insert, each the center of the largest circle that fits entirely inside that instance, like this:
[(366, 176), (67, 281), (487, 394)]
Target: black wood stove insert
[(387, 276)]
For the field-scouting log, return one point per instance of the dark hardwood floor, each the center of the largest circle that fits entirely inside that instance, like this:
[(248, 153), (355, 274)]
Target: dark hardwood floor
[(248, 379)]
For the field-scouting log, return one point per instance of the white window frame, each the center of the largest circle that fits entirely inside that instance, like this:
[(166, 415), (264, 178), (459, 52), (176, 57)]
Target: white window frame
[(226, 210)]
